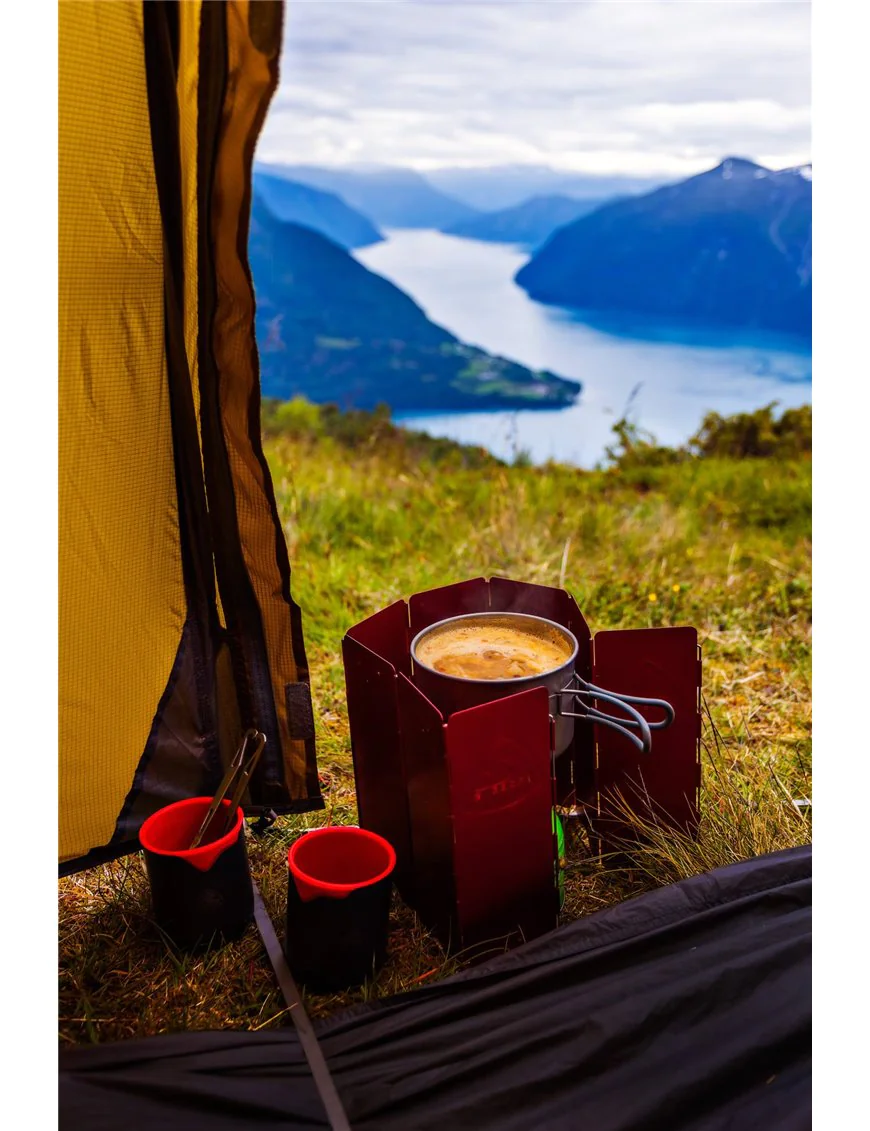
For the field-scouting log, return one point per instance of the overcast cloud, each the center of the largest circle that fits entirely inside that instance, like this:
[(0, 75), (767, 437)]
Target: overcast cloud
[(648, 87)]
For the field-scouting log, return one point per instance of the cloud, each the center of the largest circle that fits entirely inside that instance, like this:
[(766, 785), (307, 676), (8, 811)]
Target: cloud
[(646, 87)]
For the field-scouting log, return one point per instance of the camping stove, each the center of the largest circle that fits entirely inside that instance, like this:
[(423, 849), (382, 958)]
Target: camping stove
[(465, 793)]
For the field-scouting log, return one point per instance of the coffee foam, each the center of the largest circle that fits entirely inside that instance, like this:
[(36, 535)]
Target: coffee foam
[(494, 648)]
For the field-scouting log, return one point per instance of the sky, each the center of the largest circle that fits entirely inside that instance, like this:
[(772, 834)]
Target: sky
[(634, 87)]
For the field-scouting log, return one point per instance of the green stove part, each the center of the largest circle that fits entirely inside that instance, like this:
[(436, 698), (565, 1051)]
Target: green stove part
[(559, 830)]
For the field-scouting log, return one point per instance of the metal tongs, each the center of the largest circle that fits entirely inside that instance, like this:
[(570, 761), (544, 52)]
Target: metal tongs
[(236, 778)]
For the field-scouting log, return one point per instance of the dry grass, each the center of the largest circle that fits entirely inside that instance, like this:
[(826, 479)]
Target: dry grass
[(746, 812), (722, 545)]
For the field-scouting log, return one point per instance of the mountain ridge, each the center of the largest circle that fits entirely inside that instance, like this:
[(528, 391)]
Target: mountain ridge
[(730, 246), (325, 212), (334, 331), (390, 198), (527, 224), (505, 186)]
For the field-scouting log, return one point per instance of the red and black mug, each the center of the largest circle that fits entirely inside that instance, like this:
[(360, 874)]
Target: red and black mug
[(338, 907), (201, 896)]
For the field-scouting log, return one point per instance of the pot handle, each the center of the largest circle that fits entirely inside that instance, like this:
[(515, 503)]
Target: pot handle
[(624, 725), (643, 743), (661, 704)]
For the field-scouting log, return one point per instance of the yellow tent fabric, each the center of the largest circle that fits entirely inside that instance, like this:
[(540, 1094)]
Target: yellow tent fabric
[(177, 626)]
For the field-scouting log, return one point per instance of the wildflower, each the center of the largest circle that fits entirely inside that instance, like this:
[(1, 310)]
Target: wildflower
[(676, 587), (653, 598)]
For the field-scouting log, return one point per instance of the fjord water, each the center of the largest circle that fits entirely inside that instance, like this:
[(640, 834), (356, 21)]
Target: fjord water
[(467, 286)]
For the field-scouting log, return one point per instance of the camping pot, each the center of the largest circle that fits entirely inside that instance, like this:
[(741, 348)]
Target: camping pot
[(571, 696)]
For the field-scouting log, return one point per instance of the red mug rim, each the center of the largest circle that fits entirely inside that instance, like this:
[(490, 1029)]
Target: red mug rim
[(214, 847), (325, 886)]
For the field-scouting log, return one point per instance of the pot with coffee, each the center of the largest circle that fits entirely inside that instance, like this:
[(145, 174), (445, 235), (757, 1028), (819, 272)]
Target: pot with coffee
[(476, 658)]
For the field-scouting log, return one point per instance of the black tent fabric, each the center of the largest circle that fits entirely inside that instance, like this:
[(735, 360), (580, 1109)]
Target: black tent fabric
[(684, 1009)]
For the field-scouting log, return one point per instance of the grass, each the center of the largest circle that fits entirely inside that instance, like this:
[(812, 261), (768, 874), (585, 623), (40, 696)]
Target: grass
[(721, 544)]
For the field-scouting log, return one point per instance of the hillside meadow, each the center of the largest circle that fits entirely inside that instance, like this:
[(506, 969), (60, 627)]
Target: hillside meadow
[(372, 514)]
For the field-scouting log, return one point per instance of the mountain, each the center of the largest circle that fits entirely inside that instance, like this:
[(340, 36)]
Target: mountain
[(313, 208), (392, 198), (529, 223), (732, 246), (496, 187), (334, 331)]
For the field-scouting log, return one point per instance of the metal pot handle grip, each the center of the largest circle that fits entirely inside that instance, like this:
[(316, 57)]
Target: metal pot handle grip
[(661, 704), (635, 720), (643, 743)]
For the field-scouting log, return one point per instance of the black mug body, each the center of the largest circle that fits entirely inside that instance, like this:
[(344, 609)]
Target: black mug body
[(336, 944), (197, 909)]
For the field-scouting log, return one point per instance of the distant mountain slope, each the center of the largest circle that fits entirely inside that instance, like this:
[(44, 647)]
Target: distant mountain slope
[(313, 208), (732, 246), (329, 328), (496, 187), (392, 198), (529, 223)]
